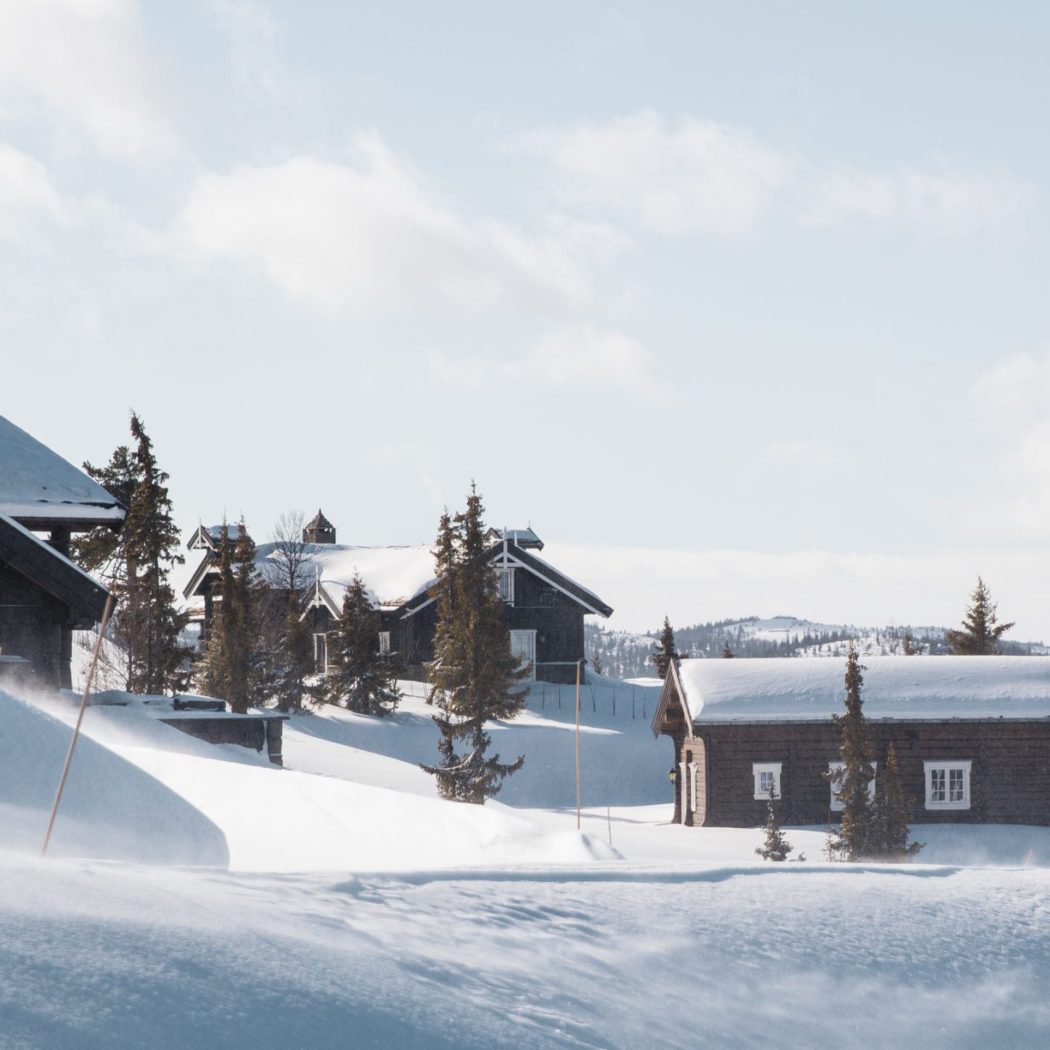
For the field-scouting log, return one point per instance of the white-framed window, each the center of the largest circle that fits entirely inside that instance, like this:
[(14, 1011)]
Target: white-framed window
[(523, 646), (836, 786), (505, 582), (767, 778), (948, 784), (384, 642), (321, 653)]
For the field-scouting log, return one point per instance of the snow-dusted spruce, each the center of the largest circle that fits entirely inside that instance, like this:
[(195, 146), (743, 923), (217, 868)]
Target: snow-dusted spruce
[(775, 846), (854, 837), (473, 676), (980, 631), (665, 650), (359, 676), (234, 662), (136, 564), (874, 824), (892, 811)]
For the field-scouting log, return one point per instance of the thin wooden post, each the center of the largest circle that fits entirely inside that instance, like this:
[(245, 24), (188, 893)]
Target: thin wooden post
[(579, 664), (608, 817), (80, 718)]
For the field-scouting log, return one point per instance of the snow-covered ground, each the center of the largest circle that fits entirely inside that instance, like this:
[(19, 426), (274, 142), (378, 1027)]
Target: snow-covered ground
[(198, 896)]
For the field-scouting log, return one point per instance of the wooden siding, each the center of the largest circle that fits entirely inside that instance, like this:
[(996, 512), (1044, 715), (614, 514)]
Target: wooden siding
[(35, 625), (1010, 775)]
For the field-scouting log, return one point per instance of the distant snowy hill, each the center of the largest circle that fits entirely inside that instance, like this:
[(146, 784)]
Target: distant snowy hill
[(623, 654)]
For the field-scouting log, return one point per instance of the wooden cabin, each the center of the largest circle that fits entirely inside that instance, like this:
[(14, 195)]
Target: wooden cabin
[(544, 608), (971, 733), (44, 597)]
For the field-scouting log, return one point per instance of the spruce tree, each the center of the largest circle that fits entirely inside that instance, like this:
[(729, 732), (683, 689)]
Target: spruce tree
[(474, 677), (359, 676), (980, 631), (775, 846), (854, 837), (292, 660), (596, 662), (234, 662), (727, 653), (137, 563), (891, 812), (665, 651)]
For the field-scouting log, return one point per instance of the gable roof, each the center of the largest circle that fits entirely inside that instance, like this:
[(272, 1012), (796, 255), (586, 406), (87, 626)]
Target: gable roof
[(40, 489), (506, 552), (799, 689), (38, 561), (395, 577)]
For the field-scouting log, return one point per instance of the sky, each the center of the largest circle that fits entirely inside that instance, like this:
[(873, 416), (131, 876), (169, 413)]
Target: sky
[(742, 307)]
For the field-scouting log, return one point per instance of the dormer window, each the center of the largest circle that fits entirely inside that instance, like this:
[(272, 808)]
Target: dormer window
[(505, 582)]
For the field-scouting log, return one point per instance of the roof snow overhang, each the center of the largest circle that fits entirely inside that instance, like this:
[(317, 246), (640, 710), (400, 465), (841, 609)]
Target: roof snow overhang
[(31, 557), (42, 491)]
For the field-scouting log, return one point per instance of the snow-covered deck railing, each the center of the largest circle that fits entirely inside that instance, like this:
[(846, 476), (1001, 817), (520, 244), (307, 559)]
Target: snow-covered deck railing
[(895, 687)]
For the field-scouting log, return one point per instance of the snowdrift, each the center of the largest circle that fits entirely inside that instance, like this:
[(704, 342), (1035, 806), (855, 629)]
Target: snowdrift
[(110, 810)]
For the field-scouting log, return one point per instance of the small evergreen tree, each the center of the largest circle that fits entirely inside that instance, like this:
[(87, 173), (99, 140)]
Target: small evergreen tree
[(234, 662), (891, 812), (137, 563), (854, 837), (474, 677), (980, 631), (596, 662), (292, 662), (727, 653), (775, 846), (665, 651), (359, 676)]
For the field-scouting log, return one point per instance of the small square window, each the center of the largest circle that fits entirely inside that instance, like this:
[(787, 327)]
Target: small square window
[(836, 786), (948, 784), (767, 778)]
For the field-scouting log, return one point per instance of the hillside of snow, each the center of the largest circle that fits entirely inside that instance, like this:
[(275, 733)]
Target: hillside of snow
[(338, 902)]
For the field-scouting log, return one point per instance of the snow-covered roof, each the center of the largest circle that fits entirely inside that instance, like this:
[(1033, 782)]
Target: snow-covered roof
[(896, 687), (392, 575), (38, 485)]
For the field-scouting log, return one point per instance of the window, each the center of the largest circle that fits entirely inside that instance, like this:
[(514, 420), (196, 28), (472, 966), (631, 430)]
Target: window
[(767, 778), (384, 642), (948, 784), (836, 803), (505, 581), (523, 646), (320, 653)]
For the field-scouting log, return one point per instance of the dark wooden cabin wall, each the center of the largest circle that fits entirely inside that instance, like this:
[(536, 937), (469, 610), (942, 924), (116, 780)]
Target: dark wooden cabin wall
[(34, 625), (1010, 777)]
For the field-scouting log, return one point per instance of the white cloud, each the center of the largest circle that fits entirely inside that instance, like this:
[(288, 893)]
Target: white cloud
[(695, 176), (370, 238), (677, 177), (27, 196), (85, 65), (251, 30), (947, 204), (574, 357)]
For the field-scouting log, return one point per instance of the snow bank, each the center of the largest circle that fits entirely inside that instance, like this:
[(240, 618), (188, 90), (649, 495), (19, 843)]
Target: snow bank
[(901, 687), (110, 808)]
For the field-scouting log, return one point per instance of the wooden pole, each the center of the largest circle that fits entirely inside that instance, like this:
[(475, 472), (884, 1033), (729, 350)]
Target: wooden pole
[(80, 718), (579, 664)]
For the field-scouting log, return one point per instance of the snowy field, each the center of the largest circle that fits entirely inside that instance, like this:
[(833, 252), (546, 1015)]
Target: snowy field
[(199, 897)]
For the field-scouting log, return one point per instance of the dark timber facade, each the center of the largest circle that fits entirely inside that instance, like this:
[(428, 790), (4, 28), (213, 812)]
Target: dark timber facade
[(953, 770), (44, 597), (544, 609)]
